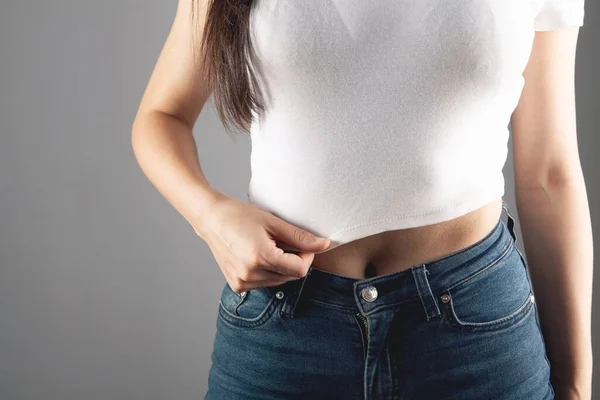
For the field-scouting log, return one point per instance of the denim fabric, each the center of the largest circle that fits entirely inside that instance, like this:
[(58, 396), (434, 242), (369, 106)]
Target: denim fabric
[(464, 326)]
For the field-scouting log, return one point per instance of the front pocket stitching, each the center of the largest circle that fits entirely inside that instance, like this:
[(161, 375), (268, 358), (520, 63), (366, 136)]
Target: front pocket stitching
[(248, 322), (523, 309)]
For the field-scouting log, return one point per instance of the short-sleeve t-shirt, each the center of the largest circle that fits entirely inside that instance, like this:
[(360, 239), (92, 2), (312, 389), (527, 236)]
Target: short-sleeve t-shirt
[(388, 114)]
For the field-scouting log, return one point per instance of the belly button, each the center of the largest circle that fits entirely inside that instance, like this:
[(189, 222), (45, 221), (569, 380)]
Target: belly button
[(370, 271)]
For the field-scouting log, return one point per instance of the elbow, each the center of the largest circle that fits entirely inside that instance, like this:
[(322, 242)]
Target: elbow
[(137, 128), (134, 134), (548, 183), (134, 131)]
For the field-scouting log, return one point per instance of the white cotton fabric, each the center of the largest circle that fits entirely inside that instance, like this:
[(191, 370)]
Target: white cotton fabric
[(388, 114)]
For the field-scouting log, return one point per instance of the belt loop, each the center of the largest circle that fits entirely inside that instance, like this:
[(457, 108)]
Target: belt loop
[(427, 299), (511, 221), (293, 291)]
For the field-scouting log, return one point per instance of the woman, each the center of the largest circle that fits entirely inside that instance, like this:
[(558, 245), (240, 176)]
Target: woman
[(372, 260)]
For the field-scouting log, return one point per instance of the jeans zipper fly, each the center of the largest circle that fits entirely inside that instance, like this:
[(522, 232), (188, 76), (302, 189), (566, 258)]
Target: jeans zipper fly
[(364, 325)]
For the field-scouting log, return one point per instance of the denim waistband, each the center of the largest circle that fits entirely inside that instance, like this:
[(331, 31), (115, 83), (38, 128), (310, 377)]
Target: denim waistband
[(421, 281)]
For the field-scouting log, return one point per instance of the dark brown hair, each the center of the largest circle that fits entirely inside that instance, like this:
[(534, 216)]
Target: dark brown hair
[(226, 54)]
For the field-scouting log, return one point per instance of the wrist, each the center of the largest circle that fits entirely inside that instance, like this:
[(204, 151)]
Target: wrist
[(204, 209)]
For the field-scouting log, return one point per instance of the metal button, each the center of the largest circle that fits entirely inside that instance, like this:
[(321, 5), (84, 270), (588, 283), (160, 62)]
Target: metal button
[(243, 294), (445, 298), (369, 293), (532, 298), (279, 295)]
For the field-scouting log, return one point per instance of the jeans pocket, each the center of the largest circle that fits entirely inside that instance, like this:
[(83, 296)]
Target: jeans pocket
[(249, 309), (496, 297)]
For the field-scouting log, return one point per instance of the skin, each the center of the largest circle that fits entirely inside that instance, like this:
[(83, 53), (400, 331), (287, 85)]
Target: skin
[(248, 242), (554, 211)]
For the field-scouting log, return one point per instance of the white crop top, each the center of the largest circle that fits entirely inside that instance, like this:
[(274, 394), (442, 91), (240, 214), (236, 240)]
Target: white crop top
[(388, 114)]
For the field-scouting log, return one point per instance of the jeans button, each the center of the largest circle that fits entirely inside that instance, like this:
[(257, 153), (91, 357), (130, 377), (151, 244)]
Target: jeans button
[(369, 293)]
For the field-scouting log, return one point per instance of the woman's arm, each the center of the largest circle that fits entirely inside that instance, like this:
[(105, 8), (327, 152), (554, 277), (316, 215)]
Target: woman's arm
[(246, 241), (553, 209), (162, 130)]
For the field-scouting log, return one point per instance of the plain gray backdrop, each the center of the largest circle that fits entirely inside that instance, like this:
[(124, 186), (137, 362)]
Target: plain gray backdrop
[(105, 290)]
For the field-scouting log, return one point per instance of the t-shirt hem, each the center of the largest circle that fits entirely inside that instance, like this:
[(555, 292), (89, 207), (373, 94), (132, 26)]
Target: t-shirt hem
[(403, 221)]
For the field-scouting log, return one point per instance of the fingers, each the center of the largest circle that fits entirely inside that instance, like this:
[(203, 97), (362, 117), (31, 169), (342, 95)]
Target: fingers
[(289, 264), (270, 267), (257, 277), (240, 287), (263, 273), (296, 237)]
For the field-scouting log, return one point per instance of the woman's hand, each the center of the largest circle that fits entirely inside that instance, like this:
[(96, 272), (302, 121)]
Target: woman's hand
[(245, 241)]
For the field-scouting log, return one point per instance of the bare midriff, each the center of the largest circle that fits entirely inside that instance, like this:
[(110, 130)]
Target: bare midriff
[(396, 250)]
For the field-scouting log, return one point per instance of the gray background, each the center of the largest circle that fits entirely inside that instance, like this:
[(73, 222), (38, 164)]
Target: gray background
[(105, 290)]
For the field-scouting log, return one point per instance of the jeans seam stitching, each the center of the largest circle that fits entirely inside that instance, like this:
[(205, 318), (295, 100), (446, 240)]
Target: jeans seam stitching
[(521, 311), (248, 322), (504, 254)]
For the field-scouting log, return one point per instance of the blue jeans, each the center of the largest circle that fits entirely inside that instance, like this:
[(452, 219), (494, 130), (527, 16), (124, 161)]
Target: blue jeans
[(464, 326)]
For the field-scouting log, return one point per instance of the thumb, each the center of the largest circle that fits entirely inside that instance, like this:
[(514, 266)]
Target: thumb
[(299, 238)]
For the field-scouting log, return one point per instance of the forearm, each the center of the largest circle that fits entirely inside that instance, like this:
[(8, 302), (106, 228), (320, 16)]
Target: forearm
[(557, 237), (166, 151)]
